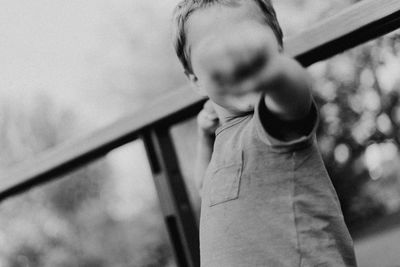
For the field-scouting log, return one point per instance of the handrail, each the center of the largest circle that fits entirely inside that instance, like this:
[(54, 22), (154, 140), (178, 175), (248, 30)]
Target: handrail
[(363, 21), (357, 24)]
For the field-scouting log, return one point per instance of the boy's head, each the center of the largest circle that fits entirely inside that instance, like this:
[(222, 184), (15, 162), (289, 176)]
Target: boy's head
[(261, 10)]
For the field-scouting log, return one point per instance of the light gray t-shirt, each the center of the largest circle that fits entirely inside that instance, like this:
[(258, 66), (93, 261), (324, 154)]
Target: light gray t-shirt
[(268, 202)]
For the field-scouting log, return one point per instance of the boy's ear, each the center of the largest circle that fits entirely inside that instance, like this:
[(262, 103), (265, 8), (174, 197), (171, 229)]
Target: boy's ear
[(195, 84)]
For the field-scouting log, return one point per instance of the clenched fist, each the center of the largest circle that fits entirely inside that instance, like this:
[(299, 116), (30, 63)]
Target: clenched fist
[(233, 67), (239, 64)]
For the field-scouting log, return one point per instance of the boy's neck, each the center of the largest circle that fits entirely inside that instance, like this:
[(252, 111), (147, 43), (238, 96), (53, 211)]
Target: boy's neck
[(224, 115)]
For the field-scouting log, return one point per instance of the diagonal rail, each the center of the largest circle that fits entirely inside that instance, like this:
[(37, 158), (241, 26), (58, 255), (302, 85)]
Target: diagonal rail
[(363, 21), (357, 24)]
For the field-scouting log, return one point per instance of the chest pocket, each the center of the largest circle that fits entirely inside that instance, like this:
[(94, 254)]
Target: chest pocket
[(225, 181)]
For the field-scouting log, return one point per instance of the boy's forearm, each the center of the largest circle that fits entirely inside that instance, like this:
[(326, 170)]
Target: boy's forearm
[(288, 95)]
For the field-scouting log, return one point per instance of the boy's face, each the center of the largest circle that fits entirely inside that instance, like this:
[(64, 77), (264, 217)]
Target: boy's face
[(226, 43)]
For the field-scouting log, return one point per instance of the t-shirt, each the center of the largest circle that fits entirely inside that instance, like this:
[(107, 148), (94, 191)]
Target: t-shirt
[(268, 202)]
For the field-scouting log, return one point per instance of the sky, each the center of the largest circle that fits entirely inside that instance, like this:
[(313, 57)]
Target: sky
[(44, 46), (64, 49)]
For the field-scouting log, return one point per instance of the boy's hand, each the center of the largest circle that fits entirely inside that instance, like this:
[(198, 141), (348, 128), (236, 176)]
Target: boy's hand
[(229, 65), (238, 65), (207, 120)]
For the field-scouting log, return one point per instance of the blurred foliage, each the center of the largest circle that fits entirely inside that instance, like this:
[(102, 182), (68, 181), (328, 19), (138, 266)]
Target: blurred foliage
[(69, 222), (358, 94)]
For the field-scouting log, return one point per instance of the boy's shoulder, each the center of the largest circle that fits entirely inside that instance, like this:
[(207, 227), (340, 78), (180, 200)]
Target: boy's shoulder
[(261, 128)]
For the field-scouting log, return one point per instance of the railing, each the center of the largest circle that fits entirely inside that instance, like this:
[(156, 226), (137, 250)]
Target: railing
[(363, 21)]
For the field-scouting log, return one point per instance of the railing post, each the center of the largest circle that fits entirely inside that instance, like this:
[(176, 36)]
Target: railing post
[(174, 201)]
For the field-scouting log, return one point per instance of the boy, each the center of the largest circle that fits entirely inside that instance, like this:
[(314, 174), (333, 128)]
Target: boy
[(267, 199)]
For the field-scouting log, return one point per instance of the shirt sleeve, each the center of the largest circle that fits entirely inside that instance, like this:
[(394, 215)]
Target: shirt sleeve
[(277, 133)]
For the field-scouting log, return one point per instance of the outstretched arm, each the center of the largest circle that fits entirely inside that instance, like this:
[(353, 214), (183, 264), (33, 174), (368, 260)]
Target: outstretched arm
[(244, 62), (286, 89)]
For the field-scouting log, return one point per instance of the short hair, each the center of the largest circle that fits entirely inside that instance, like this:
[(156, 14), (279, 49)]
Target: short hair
[(186, 7)]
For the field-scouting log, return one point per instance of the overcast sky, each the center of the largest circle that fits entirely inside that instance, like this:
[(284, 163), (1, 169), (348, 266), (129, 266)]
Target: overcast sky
[(63, 48)]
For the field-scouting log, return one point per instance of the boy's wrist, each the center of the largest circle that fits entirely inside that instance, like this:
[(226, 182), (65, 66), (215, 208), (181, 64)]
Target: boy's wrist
[(288, 93), (287, 130)]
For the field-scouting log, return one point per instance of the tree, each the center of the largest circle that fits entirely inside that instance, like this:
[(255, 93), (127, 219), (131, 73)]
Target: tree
[(359, 133), (67, 222)]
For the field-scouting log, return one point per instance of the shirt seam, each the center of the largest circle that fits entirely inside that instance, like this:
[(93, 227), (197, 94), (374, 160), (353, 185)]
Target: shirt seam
[(230, 125), (295, 210), (280, 146)]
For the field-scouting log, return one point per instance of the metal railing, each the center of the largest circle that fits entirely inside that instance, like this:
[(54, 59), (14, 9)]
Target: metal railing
[(361, 22)]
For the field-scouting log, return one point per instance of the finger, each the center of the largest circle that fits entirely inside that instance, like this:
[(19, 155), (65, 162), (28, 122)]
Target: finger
[(211, 117), (205, 117), (209, 109), (202, 116), (208, 106), (213, 57)]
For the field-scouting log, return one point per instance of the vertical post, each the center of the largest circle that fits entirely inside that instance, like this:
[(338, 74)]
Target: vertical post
[(175, 205)]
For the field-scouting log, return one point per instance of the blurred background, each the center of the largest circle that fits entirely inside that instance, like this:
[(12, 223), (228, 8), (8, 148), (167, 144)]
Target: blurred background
[(68, 68)]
